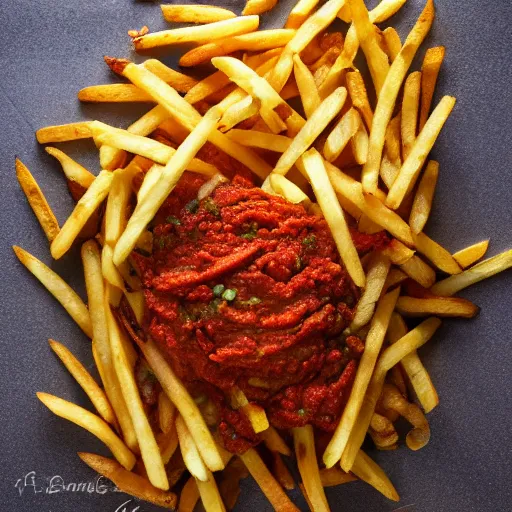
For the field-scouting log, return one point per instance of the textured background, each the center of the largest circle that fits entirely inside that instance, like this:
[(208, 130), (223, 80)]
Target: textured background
[(48, 50)]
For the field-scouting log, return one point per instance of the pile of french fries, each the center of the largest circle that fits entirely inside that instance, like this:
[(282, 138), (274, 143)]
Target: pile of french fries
[(353, 161)]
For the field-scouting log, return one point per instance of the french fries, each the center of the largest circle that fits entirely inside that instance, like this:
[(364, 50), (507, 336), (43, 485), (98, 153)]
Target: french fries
[(113, 93), (166, 413), (429, 72), (304, 441), (274, 441), (422, 204), (286, 188), (300, 12), (63, 133), (85, 380), (200, 34), (359, 96), (307, 88), (410, 109), (73, 171), (189, 496), (437, 254), (393, 43), (210, 495), (359, 144), (341, 134), (282, 473), (92, 423), (418, 270), (258, 6), (440, 306), (252, 138), (469, 255), (190, 452), (128, 481), (195, 13)]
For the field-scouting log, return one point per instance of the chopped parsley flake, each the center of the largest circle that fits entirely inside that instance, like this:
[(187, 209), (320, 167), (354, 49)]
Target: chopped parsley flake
[(173, 220), (229, 294)]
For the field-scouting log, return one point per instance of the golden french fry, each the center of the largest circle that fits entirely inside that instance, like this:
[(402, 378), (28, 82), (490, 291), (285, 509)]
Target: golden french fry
[(190, 452), (92, 423), (388, 169), (341, 134), (73, 170), (422, 204), (382, 432), (85, 207), (315, 170), (254, 42), (440, 306), (85, 380), (189, 495), (129, 482), (437, 254), (113, 93), (282, 473), (274, 441), (410, 109), (252, 138), (469, 255), (393, 43), (423, 144), (385, 9), (168, 444), (395, 277), (166, 413), (195, 13), (429, 73), (359, 143), (300, 13), (200, 34), (359, 96), (389, 93), (258, 6), (268, 484), (307, 88), (210, 495), (286, 188), (177, 80), (331, 477), (117, 205), (37, 201), (64, 132), (210, 85), (373, 344), (418, 270), (137, 303), (255, 414), (69, 299), (397, 252), (304, 441)]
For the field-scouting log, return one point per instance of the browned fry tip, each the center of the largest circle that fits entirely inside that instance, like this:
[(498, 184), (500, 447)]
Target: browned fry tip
[(116, 65)]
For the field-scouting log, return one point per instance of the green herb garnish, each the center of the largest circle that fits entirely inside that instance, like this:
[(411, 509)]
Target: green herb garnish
[(218, 289), (229, 294), (173, 220), (211, 206), (309, 241), (193, 206)]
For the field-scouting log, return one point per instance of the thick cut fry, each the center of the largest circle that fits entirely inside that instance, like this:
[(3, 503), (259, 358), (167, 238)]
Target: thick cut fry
[(92, 423), (200, 35), (254, 42), (210, 495), (373, 345), (307, 88), (469, 255), (85, 380), (389, 93), (166, 413), (314, 126), (304, 442), (195, 13), (268, 484), (359, 96), (171, 173), (331, 477), (258, 6), (270, 141), (410, 169), (274, 441), (378, 269), (422, 204), (377, 60), (69, 299), (437, 254), (429, 73), (418, 270), (63, 133), (440, 306), (73, 170), (129, 482), (189, 495), (393, 43), (286, 188), (341, 134), (85, 207), (190, 452), (369, 471), (315, 170), (410, 109), (300, 13)]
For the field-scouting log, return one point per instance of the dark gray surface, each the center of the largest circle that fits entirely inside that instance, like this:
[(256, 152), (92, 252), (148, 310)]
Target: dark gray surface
[(50, 49)]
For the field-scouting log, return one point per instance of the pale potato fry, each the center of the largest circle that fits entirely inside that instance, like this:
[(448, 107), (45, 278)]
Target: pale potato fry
[(73, 170), (388, 169), (410, 109), (255, 139), (436, 253), (258, 6), (195, 13), (92, 423), (369, 471), (287, 189), (200, 34), (69, 299), (304, 441), (315, 170), (209, 186), (341, 134), (300, 13), (254, 42), (166, 413), (171, 173), (331, 477), (307, 88), (85, 380), (359, 96), (469, 255), (418, 270), (389, 93), (210, 495), (64, 132), (359, 144), (117, 206), (429, 73), (373, 344), (189, 496), (268, 484), (37, 201), (129, 482), (378, 269), (190, 452), (274, 441), (440, 306), (423, 144), (85, 207), (393, 43), (314, 126), (422, 204), (377, 60)]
